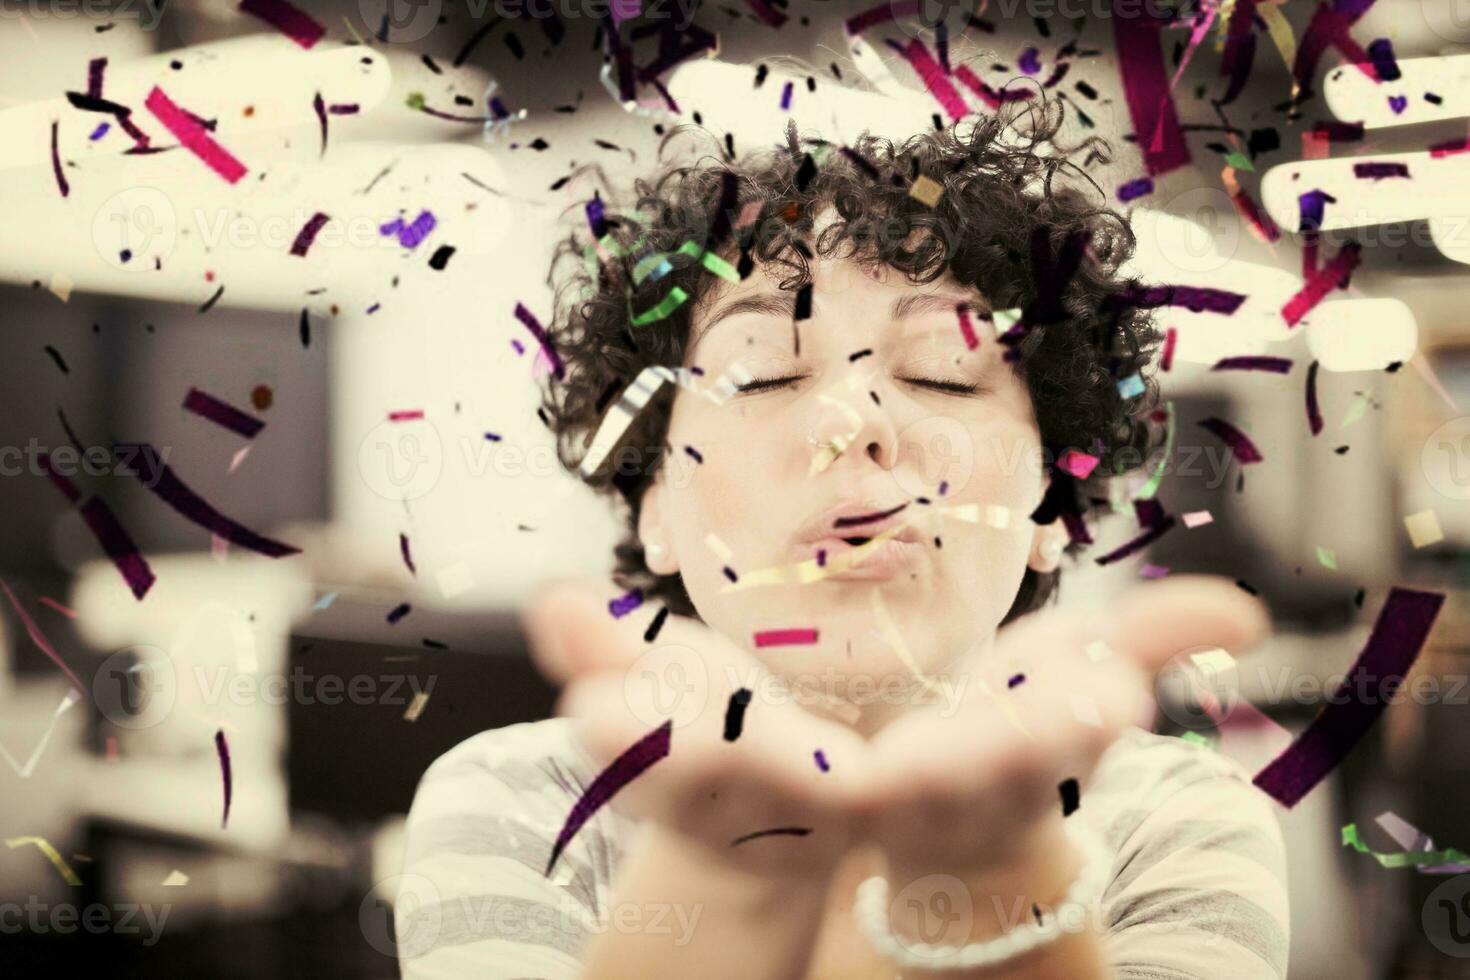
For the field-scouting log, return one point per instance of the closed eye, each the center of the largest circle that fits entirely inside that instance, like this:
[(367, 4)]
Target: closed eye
[(940, 384), (768, 384)]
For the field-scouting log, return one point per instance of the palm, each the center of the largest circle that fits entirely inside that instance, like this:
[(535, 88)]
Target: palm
[(619, 687), (960, 791)]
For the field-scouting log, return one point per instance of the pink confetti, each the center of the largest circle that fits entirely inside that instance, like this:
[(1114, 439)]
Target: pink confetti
[(1078, 464), (406, 415), (786, 637), (296, 24), (193, 136)]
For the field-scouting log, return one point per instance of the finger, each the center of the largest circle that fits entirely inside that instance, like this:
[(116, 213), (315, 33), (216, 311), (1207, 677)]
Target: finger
[(572, 633), (1156, 622)]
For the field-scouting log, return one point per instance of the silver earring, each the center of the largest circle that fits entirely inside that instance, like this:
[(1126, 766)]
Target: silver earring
[(654, 550)]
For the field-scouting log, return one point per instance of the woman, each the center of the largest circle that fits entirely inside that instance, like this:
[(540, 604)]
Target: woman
[(895, 361)]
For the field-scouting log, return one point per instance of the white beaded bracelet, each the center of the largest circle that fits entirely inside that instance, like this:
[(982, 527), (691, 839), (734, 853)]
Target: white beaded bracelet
[(871, 913)]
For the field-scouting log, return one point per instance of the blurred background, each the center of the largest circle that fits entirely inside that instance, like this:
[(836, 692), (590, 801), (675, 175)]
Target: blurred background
[(402, 454)]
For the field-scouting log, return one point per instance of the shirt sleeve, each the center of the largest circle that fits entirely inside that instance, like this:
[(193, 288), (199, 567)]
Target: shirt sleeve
[(1199, 890), (479, 835)]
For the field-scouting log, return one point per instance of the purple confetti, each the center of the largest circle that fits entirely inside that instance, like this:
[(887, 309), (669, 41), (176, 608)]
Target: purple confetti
[(1398, 635), (160, 478), (623, 770), (222, 414), (1240, 444), (1378, 171), (1275, 365), (222, 747), (625, 604), (1136, 189)]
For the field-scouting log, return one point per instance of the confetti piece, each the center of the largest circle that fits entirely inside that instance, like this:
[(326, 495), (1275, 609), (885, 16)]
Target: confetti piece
[(1016, 680), (1239, 443), (786, 637), (1274, 365), (1380, 171), (1424, 529), (304, 238), (1198, 518), (1086, 710), (1152, 486), (933, 77), (61, 286), (773, 832), (1196, 299), (735, 713), (1155, 119), (926, 190), (786, 97), (61, 181), (416, 707), (222, 747), (47, 600), (821, 759), (403, 549), (325, 601), (238, 458), (1135, 189), (1412, 859), (765, 13), (38, 638), (967, 330), (406, 415), (1326, 557), (1153, 571), (222, 413), (634, 398), (1137, 544), (51, 855), (1398, 635), (1314, 411), (175, 879), (624, 769), (1079, 464), (160, 478), (24, 771), (1329, 277), (193, 136), (1070, 796), (662, 309), (399, 611), (1131, 387), (289, 20), (625, 604)]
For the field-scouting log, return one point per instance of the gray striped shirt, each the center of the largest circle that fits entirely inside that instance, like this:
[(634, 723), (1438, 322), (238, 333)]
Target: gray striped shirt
[(1197, 891)]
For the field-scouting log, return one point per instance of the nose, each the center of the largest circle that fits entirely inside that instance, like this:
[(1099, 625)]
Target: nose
[(856, 426)]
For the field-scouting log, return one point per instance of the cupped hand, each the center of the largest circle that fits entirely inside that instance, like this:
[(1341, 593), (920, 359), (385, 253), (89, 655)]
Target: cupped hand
[(968, 790), (618, 687)]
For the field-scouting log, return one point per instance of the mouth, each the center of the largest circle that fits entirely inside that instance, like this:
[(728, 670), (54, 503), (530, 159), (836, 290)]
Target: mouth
[(863, 558)]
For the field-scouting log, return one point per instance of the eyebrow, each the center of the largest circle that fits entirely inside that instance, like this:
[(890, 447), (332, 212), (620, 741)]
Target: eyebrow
[(783, 304)]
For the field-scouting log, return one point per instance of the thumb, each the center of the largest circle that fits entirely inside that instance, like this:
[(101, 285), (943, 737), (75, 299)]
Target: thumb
[(572, 632), (1151, 624)]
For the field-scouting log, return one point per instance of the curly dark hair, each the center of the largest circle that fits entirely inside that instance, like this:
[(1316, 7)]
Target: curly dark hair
[(999, 226)]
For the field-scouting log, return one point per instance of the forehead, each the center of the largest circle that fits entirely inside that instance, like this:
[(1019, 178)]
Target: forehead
[(836, 282)]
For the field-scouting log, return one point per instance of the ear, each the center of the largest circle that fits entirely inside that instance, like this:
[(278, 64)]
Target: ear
[(658, 547), (1047, 544)]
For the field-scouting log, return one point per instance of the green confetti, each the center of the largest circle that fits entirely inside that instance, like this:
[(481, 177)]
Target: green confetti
[(1327, 558), (664, 307), (1401, 860), (1152, 486), (1238, 162)]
